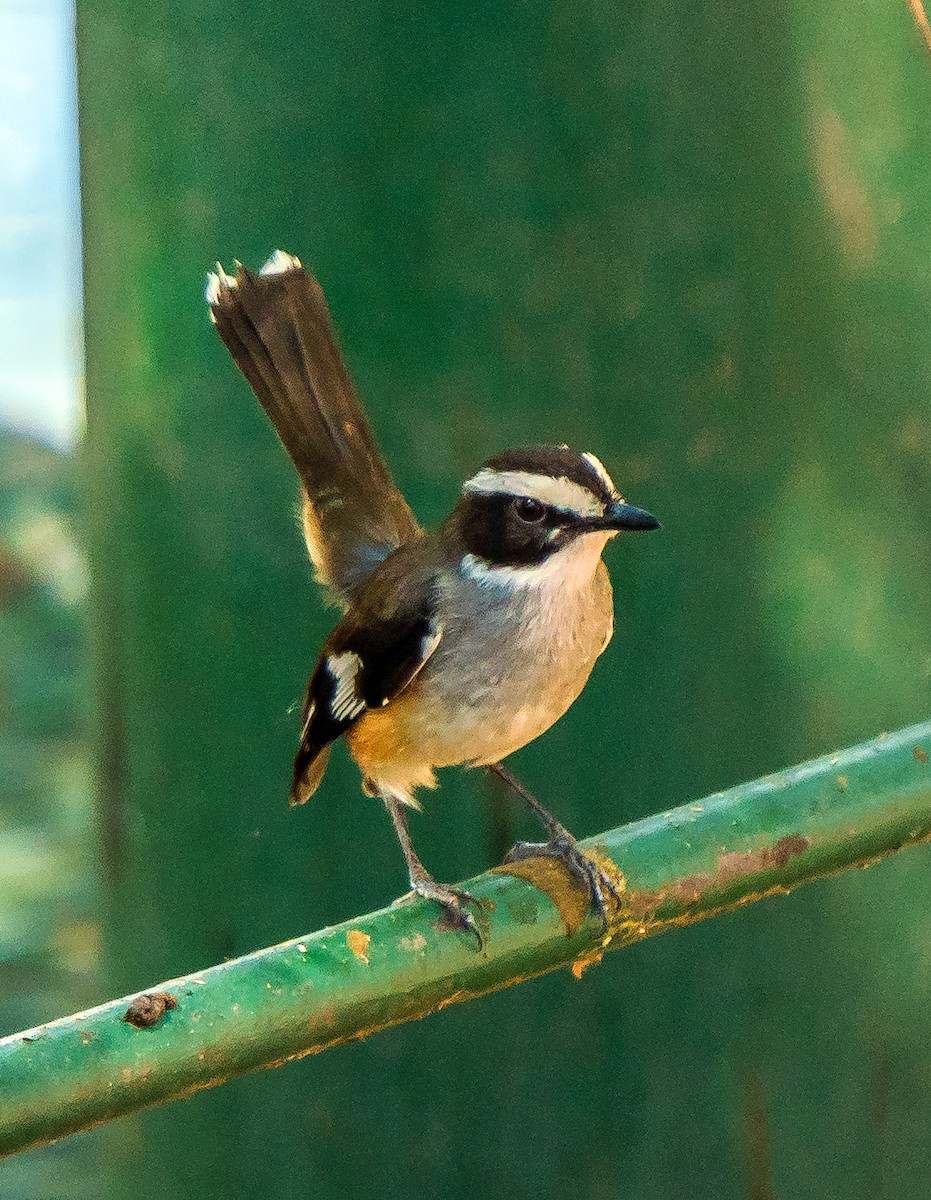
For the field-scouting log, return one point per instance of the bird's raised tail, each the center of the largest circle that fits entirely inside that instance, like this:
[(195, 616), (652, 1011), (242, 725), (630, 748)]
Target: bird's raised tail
[(277, 327)]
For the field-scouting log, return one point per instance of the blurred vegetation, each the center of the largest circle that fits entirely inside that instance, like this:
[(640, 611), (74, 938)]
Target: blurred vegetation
[(49, 937)]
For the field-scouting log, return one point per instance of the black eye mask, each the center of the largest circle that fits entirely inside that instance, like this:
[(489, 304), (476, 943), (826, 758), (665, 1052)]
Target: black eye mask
[(509, 531)]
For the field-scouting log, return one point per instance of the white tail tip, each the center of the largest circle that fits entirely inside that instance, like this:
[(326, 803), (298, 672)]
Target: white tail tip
[(216, 280), (280, 262)]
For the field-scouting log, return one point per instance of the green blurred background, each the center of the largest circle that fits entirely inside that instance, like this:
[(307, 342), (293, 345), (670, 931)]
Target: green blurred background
[(696, 241)]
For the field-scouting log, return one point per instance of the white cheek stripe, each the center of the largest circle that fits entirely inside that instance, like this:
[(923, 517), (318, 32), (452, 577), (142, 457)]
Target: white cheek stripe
[(345, 703), (530, 576), (560, 493), (564, 570)]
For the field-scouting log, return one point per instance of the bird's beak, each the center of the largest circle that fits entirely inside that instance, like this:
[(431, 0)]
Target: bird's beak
[(619, 516)]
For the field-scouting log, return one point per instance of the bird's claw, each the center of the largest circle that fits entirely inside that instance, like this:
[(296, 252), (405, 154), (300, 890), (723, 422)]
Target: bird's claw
[(593, 879), (453, 902)]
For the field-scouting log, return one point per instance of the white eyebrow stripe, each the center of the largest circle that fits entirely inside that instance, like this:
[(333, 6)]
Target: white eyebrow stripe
[(599, 468), (560, 493)]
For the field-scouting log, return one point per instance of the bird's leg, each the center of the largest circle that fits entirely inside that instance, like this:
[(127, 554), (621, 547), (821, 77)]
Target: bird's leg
[(453, 901), (560, 845)]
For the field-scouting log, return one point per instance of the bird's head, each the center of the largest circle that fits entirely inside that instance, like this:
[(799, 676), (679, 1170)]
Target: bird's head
[(540, 513)]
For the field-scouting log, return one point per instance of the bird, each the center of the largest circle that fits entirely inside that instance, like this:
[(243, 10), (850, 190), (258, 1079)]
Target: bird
[(455, 646)]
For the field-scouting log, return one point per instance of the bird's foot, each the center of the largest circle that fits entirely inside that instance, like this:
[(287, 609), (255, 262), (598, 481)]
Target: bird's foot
[(453, 902), (563, 847)]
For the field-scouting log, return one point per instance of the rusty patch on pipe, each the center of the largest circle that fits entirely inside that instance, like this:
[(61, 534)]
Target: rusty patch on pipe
[(919, 754), (149, 1008), (581, 964), (551, 877), (358, 943), (555, 880), (731, 865)]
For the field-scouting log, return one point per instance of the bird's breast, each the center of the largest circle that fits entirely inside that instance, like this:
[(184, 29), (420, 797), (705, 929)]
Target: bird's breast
[(509, 664)]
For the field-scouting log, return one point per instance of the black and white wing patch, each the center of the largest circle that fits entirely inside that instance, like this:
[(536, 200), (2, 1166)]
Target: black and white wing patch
[(345, 702), (362, 666)]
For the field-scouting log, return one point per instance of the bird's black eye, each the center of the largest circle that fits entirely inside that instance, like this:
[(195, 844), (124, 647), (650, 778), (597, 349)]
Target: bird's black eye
[(529, 510)]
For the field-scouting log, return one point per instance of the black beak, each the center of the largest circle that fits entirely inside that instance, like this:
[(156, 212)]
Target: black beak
[(623, 516)]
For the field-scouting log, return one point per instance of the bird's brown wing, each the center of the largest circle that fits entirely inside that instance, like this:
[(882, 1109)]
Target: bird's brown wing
[(376, 650)]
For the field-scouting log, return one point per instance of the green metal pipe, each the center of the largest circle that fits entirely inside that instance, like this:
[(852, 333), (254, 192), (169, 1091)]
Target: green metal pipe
[(396, 965)]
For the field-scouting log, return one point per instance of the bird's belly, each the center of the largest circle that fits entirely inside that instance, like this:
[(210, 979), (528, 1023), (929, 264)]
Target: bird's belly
[(477, 709)]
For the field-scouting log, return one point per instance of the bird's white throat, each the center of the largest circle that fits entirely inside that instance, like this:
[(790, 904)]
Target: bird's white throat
[(571, 567)]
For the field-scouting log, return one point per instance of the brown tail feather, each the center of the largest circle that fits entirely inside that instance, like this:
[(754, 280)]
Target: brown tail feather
[(277, 327)]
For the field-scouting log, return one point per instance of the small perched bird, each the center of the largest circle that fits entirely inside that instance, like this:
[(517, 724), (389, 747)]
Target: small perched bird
[(456, 646)]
